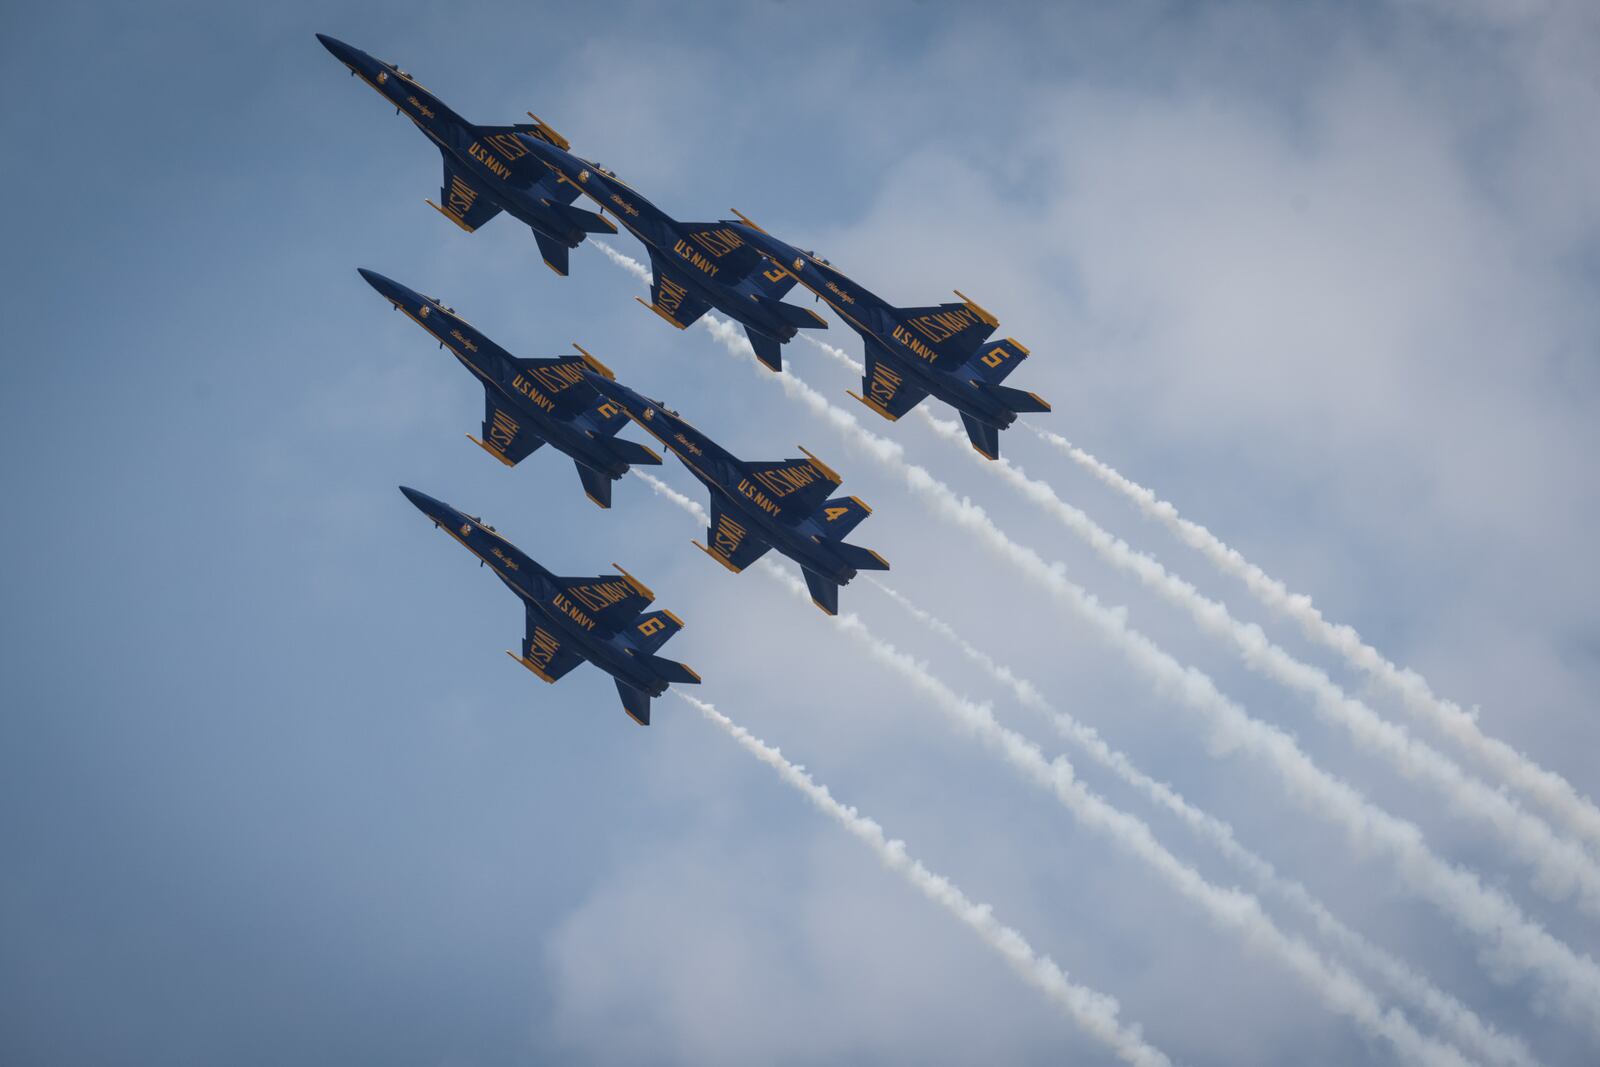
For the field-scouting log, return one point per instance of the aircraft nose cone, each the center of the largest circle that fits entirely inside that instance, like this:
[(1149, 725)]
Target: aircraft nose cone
[(437, 510), (377, 281), (341, 51)]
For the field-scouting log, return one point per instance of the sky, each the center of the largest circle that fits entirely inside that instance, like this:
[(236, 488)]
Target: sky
[(1322, 275)]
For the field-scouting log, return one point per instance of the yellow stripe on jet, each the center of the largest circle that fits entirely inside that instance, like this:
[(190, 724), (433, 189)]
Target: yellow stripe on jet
[(598, 367), (449, 215), (495, 452)]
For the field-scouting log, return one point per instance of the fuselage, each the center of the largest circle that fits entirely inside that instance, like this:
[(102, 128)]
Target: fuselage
[(882, 326), (726, 478), (537, 588), (490, 159), (532, 392)]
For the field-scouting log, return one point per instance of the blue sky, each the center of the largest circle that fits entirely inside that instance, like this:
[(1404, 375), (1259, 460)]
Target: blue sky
[(1322, 275)]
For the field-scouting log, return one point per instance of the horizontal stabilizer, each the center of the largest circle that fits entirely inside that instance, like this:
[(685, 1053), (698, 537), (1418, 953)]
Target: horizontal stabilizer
[(1018, 400), (634, 452), (673, 671), (636, 702), (841, 515), (768, 350), (801, 318), (824, 591), (579, 219), (553, 251), (596, 484), (985, 438), (862, 559)]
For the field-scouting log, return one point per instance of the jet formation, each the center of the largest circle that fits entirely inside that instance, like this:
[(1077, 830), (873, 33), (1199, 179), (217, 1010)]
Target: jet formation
[(575, 404)]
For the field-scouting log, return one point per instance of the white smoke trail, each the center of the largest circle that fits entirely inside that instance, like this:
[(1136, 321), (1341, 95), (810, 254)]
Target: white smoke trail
[(1468, 1028), (1095, 1012), (1514, 944), (1339, 989), (1561, 867), (1231, 909), (1550, 789)]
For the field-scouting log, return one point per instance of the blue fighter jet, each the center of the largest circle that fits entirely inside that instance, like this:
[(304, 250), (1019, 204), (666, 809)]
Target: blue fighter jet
[(528, 402), (487, 169), (758, 506), (696, 266), (570, 620), (912, 353)]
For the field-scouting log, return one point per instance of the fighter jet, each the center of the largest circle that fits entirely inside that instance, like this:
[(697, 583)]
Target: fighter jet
[(913, 353), (530, 401), (487, 169), (757, 506), (570, 620), (697, 266)]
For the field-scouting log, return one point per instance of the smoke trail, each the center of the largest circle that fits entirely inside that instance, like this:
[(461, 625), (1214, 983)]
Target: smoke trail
[(1095, 1012), (1341, 990), (1514, 944), (1561, 867), (1547, 787), (1231, 909), (1469, 1030)]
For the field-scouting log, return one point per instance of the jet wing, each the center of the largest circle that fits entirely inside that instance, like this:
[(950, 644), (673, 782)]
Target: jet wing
[(559, 379), (506, 435), (715, 244), (950, 331), (885, 388), (670, 297), (543, 652), (732, 544), (609, 601), (464, 201), (798, 485)]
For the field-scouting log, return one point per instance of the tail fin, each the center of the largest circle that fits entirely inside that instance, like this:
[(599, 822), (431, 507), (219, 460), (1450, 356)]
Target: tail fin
[(1018, 400), (650, 631), (862, 559), (841, 515), (636, 702), (824, 591), (994, 361), (985, 438), (768, 350)]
